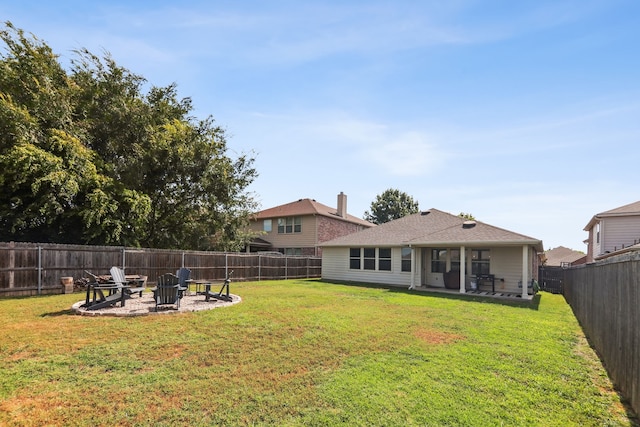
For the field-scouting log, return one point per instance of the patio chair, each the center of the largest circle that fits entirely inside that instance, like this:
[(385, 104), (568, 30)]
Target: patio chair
[(184, 277), (118, 277), (168, 291)]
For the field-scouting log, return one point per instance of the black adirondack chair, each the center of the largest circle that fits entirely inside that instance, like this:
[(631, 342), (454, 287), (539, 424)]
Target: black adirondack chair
[(168, 291)]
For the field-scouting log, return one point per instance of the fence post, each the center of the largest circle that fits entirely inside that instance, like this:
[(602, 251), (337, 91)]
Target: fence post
[(259, 267), (39, 270), (182, 259), (286, 267), (226, 265), (124, 251), (12, 264)]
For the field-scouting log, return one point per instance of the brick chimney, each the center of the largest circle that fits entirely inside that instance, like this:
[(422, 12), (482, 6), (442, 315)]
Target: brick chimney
[(342, 205)]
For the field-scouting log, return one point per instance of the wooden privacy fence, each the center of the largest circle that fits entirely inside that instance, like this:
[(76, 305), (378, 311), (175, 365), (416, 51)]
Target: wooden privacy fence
[(605, 298), (33, 268)]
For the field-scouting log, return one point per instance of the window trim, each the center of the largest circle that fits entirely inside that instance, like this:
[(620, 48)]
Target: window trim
[(405, 264), (290, 225), (384, 261), (480, 265), (439, 260), (369, 259)]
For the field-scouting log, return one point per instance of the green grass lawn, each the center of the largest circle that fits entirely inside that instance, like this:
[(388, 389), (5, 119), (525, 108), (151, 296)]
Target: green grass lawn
[(305, 353)]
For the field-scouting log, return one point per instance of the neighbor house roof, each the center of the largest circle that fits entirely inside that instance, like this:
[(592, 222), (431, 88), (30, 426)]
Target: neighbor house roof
[(556, 257), (308, 207), (434, 228), (631, 209)]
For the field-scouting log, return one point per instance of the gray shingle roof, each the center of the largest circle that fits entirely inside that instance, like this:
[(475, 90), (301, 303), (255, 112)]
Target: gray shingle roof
[(308, 207), (433, 227)]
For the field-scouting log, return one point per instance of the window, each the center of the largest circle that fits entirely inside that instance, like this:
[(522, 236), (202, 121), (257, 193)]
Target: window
[(438, 260), (598, 232), (354, 258), (266, 225), (292, 224), (384, 259), (293, 251), (480, 261), (369, 258), (455, 259), (406, 259)]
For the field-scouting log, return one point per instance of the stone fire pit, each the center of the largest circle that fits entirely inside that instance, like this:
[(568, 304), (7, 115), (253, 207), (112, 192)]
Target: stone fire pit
[(145, 305)]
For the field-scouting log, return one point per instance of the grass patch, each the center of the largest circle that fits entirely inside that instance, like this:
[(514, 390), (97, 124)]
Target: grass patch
[(305, 353)]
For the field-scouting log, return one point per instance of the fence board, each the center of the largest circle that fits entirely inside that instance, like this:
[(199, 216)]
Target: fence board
[(605, 298), (33, 268)]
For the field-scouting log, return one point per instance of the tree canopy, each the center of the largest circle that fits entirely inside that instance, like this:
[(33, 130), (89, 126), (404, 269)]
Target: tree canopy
[(86, 156), (391, 204)]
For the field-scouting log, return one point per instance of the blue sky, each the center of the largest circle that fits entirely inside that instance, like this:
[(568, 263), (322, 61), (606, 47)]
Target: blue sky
[(524, 113)]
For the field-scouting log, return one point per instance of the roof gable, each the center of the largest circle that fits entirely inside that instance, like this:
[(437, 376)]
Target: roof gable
[(632, 209), (308, 207), (433, 227)]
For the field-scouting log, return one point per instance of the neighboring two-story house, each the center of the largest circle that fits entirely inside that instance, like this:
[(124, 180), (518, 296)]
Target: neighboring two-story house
[(297, 228), (613, 230)]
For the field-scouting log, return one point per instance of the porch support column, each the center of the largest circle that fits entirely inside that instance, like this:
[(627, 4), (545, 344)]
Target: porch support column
[(463, 267), (525, 271), (413, 267)]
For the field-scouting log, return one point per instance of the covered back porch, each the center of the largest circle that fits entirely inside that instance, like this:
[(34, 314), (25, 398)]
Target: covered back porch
[(487, 270)]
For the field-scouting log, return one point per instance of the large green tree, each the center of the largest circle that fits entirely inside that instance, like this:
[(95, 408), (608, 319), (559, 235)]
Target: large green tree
[(87, 157), (391, 204)]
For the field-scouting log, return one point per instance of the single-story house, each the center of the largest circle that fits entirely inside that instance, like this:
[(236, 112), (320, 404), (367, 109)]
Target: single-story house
[(435, 249)]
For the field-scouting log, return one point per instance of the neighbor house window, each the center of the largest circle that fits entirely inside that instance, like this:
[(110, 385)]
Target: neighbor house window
[(384, 259), (438, 260), (292, 224), (369, 258), (406, 259), (293, 251), (480, 261), (266, 225), (354, 258)]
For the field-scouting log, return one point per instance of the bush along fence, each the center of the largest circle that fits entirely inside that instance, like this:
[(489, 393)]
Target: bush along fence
[(41, 268), (605, 298)]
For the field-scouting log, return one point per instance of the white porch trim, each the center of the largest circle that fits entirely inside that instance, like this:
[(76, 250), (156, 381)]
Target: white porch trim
[(463, 267), (413, 268), (525, 271)]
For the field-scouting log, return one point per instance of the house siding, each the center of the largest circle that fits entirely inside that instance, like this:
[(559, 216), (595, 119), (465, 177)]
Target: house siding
[(618, 232), (305, 239), (335, 266)]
